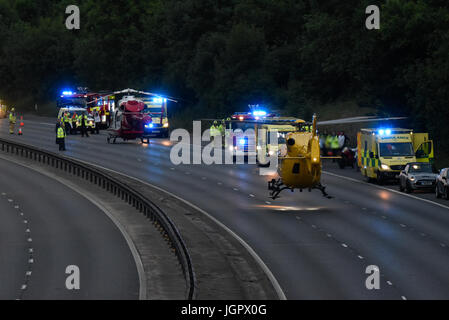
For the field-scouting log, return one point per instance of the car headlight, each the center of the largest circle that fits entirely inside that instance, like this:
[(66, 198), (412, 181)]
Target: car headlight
[(271, 152), (166, 125), (412, 178), (385, 167)]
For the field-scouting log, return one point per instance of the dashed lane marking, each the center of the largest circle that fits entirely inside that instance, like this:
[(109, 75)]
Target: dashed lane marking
[(387, 189)]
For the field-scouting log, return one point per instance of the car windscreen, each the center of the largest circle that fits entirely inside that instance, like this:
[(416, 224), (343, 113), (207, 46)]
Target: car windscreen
[(396, 149), (421, 167)]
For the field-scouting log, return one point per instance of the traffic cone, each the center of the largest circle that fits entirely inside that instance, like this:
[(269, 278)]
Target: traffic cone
[(21, 125)]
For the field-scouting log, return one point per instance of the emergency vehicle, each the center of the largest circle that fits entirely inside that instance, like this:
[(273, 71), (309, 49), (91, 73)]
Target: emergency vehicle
[(92, 102), (383, 153), (2, 111), (76, 124), (260, 143), (156, 108)]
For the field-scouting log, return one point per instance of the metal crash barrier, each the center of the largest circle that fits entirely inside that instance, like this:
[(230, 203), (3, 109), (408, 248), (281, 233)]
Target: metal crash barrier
[(159, 219)]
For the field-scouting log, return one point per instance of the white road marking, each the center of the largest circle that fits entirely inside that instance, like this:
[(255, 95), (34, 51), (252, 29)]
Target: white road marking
[(403, 225), (9, 200), (251, 195), (404, 298), (28, 274), (24, 286), (235, 189), (389, 283), (30, 240), (360, 257), (30, 250), (387, 189), (30, 261), (267, 202), (271, 277), (344, 245), (329, 235), (27, 231)]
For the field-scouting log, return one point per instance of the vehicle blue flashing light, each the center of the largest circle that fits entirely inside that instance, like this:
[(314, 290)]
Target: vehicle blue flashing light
[(159, 100), (150, 125), (259, 113), (384, 132), (67, 93), (242, 142)]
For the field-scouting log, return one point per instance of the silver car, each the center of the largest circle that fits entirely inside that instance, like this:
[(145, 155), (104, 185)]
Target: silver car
[(417, 176)]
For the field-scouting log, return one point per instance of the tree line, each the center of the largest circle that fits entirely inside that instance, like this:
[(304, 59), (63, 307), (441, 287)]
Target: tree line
[(220, 56)]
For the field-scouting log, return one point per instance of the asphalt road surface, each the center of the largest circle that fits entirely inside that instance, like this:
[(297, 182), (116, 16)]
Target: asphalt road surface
[(317, 248), (45, 227)]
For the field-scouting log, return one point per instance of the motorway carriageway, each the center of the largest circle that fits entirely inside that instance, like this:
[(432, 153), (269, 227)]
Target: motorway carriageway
[(317, 248), (45, 227)]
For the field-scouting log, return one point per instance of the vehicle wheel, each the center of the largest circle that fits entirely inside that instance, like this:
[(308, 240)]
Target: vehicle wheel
[(408, 188), (446, 193), (109, 140), (341, 164), (401, 188), (437, 192), (379, 180)]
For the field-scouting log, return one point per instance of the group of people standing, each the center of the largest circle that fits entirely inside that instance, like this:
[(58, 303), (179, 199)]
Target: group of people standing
[(71, 124), (333, 143)]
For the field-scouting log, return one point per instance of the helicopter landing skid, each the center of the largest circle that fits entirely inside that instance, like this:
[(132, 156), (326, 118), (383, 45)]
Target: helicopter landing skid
[(277, 186), (323, 191)]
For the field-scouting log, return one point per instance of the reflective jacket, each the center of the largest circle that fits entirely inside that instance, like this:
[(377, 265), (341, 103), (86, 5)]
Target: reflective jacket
[(334, 143), (12, 118), (60, 133)]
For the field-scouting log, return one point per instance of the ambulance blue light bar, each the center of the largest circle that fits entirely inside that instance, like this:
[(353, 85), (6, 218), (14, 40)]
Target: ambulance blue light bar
[(384, 132), (259, 113)]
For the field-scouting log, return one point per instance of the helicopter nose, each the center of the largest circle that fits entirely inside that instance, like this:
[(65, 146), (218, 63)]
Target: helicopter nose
[(291, 142)]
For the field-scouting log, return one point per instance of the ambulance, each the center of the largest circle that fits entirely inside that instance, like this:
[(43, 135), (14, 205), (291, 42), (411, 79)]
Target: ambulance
[(383, 153)]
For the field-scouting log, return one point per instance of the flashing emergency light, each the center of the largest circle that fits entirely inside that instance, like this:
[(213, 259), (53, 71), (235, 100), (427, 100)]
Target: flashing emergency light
[(149, 125), (383, 132), (159, 100), (67, 93), (259, 113), (242, 141)]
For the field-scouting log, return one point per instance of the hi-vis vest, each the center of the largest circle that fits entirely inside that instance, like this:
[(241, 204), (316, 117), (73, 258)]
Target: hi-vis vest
[(214, 131), (61, 133), (334, 142), (12, 118)]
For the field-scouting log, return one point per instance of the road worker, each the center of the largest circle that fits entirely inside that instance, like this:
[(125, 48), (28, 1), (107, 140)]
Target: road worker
[(60, 137), (84, 125), (12, 120), (334, 145), (216, 134), (67, 123), (74, 123)]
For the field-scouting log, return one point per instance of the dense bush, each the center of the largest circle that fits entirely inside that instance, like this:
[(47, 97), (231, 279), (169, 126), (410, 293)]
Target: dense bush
[(219, 56)]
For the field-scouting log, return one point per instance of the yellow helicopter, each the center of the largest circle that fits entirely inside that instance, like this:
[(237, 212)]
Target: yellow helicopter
[(299, 166)]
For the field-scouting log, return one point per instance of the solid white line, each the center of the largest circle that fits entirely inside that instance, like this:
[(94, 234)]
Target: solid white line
[(387, 189), (131, 245), (271, 277)]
